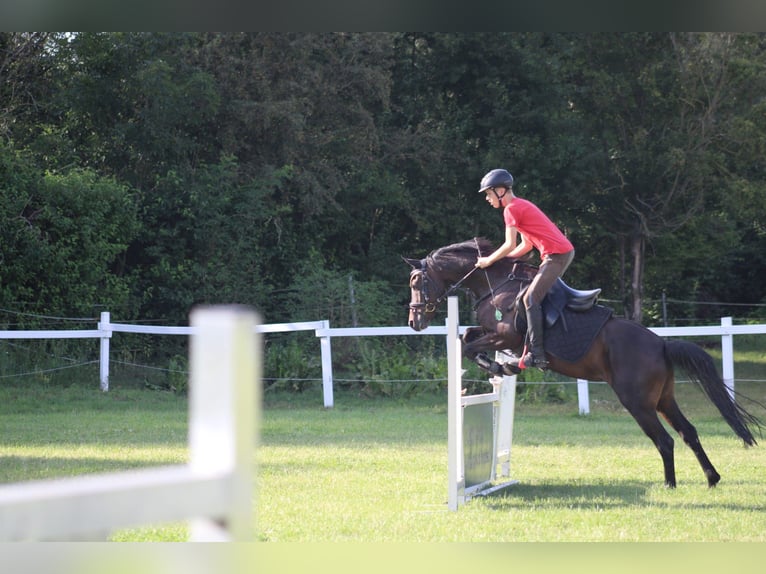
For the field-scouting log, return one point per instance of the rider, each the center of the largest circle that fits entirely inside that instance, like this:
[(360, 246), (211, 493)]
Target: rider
[(537, 231)]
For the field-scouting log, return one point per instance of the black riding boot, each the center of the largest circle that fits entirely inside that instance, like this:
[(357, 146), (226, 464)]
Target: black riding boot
[(535, 355)]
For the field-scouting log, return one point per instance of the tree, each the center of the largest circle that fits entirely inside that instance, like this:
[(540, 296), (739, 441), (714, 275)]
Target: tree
[(24, 62), (62, 238), (658, 106)]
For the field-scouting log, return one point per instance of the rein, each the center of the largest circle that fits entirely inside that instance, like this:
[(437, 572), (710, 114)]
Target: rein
[(484, 297), (454, 287), (430, 306)]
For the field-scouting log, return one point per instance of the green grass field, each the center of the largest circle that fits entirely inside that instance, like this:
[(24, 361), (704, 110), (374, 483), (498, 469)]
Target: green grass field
[(375, 470)]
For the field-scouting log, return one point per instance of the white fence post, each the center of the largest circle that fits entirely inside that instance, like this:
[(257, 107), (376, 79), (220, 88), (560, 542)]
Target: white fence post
[(583, 396), (103, 326), (326, 350), (727, 355)]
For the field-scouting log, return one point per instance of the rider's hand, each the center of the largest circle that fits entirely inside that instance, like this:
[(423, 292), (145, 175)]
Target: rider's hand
[(482, 262)]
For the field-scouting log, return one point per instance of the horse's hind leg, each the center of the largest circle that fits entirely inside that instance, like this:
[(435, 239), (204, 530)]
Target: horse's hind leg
[(672, 413), (649, 422)]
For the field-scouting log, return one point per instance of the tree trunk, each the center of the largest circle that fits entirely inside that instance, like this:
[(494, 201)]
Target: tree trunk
[(637, 280), (623, 280)]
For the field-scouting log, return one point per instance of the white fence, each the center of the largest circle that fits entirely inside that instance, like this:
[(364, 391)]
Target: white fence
[(106, 328), (726, 330), (214, 489)]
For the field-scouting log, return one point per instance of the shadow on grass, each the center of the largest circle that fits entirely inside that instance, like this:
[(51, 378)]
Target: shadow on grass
[(571, 495), (624, 494)]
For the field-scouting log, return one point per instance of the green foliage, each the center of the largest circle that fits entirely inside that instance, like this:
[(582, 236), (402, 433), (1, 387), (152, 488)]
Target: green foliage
[(63, 238), (293, 364), (535, 386), (223, 222), (341, 298), (395, 371), (178, 374), (151, 172)]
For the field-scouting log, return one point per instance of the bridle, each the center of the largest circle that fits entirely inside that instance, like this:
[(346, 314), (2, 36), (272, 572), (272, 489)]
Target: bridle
[(427, 305)]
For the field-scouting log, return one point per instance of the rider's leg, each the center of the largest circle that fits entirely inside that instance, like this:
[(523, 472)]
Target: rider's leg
[(551, 269), (535, 355)]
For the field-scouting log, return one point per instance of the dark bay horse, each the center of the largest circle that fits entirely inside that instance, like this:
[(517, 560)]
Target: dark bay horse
[(634, 361)]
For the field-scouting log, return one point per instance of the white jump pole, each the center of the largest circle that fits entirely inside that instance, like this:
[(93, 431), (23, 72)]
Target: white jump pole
[(500, 425), (456, 495)]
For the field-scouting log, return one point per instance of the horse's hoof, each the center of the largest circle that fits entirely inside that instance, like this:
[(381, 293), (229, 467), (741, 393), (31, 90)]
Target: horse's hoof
[(713, 479), (510, 369)]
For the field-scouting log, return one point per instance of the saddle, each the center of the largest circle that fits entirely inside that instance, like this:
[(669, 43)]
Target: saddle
[(560, 296), (563, 296), (572, 319)]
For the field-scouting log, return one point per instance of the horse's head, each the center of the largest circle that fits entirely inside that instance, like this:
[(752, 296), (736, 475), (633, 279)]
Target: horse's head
[(424, 292), (430, 276), (446, 269)]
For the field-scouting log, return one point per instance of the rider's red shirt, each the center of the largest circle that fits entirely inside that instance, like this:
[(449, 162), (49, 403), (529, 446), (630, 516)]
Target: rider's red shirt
[(536, 227)]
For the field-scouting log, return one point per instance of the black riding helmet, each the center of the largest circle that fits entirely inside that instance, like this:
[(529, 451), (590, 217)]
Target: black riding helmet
[(496, 178)]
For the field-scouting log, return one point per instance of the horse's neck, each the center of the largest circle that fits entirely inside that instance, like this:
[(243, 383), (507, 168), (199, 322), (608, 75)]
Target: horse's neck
[(451, 274), (483, 284)]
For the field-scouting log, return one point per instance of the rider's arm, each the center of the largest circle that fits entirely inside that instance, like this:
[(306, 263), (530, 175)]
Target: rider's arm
[(506, 249), (523, 248)]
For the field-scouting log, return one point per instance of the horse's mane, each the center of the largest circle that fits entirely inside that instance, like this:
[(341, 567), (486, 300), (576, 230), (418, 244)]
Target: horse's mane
[(459, 252)]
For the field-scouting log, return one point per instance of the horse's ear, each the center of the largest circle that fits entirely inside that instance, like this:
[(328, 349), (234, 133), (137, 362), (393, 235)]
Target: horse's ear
[(414, 263)]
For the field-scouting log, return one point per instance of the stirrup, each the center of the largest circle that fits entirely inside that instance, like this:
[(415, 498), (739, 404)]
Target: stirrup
[(530, 359)]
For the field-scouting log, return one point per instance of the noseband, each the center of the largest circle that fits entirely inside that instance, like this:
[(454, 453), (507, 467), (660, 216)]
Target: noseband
[(427, 305)]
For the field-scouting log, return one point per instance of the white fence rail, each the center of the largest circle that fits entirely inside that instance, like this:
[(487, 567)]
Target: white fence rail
[(214, 490), (106, 328), (726, 330)]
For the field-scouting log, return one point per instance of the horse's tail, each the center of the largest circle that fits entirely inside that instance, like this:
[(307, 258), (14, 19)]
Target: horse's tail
[(699, 366)]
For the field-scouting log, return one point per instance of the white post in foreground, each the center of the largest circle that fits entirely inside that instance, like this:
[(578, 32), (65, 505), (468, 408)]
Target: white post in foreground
[(224, 390)]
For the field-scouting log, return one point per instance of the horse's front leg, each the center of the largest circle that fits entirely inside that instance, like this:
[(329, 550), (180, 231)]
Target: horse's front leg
[(476, 341)]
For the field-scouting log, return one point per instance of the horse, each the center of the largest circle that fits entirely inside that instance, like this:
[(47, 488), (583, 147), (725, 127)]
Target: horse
[(636, 363)]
